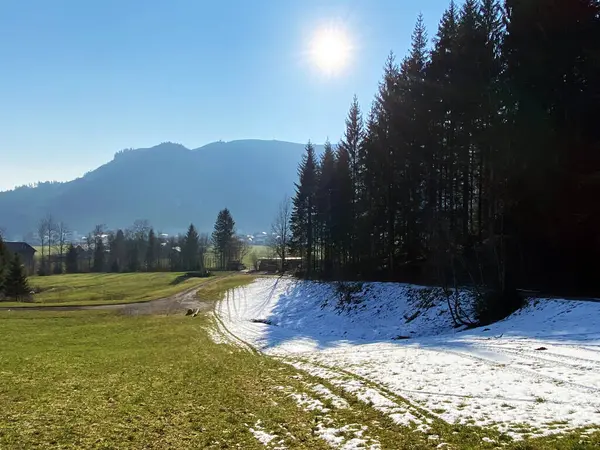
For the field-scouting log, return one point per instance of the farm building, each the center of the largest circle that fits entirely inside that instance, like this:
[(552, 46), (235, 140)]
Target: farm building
[(274, 264), (25, 251)]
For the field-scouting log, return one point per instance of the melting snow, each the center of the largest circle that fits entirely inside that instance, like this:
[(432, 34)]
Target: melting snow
[(261, 435), (538, 367)]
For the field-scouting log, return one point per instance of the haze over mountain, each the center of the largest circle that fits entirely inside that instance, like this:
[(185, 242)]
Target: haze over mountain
[(169, 185)]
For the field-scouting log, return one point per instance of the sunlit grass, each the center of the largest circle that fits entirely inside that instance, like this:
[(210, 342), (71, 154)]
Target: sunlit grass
[(105, 288), (98, 379)]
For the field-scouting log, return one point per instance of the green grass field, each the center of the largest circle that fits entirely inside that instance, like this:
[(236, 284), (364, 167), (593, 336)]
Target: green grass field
[(102, 288), (103, 380)]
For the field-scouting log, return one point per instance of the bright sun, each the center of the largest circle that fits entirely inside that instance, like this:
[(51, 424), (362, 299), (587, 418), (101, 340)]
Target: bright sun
[(330, 50)]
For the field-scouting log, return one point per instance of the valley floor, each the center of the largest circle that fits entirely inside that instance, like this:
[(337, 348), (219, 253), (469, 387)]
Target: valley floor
[(534, 374)]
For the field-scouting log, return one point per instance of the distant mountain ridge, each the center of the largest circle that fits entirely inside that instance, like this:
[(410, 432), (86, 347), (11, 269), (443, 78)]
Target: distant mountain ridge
[(168, 184)]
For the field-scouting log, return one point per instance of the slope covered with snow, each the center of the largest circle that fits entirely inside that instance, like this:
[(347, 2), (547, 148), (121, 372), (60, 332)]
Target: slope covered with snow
[(536, 372)]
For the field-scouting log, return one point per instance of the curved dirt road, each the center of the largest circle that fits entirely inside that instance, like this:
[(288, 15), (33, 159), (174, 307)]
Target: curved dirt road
[(175, 304)]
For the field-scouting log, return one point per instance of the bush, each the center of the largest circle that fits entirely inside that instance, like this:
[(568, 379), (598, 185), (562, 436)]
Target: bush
[(493, 306), (348, 294), (191, 274), (198, 274)]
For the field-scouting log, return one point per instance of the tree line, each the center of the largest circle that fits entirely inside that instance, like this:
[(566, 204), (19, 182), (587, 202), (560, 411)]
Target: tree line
[(478, 161), (139, 248)]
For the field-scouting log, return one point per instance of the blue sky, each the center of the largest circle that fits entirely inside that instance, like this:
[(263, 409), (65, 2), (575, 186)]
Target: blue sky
[(80, 80)]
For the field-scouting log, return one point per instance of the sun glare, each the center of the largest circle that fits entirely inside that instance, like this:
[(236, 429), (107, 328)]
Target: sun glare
[(330, 50)]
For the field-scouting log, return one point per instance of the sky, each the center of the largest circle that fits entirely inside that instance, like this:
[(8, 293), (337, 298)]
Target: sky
[(80, 80)]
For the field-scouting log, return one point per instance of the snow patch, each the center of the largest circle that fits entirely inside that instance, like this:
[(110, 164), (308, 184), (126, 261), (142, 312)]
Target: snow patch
[(263, 437), (336, 401), (497, 376), (336, 437)]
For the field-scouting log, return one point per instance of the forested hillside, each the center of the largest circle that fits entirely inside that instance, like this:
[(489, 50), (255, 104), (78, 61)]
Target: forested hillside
[(169, 185), (478, 162)]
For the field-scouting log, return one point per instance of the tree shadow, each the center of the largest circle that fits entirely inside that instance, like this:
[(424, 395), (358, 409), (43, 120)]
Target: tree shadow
[(285, 326)]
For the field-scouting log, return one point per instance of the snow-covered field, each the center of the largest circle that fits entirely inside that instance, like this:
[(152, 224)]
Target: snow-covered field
[(535, 373)]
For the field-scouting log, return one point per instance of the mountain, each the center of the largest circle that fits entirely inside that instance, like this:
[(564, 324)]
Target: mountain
[(169, 185)]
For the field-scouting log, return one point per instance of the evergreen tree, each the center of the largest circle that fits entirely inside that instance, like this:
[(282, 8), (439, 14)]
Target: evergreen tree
[(175, 259), (117, 246), (325, 202), (304, 209), (385, 146), (222, 237), (133, 255), (16, 286), (99, 256), (190, 250), (151, 251), (71, 262), (342, 214), (371, 223), (412, 119), (351, 142)]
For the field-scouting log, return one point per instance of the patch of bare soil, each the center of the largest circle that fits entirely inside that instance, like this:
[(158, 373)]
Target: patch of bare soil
[(176, 304)]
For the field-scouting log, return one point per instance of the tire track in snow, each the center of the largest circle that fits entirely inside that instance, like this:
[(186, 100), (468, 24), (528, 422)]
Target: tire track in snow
[(400, 410), (519, 370), (551, 358)]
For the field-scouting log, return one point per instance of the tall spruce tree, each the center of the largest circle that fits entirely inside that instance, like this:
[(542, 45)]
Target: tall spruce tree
[(71, 260), (412, 119), (190, 252), (342, 214), (99, 256), (222, 237), (118, 247), (325, 203), (385, 145), (351, 142), (16, 286), (152, 251), (304, 209), (371, 223)]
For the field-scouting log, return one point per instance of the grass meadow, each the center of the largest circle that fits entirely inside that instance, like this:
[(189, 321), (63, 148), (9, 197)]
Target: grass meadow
[(98, 379), (105, 288)]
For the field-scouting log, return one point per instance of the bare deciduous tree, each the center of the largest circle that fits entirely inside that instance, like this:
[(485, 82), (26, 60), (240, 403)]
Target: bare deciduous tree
[(254, 260), (242, 248), (203, 246), (42, 238), (63, 235), (141, 229), (280, 231), (50, 235)]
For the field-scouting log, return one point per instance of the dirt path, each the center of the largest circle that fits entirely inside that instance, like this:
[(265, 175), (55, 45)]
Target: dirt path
[(175, 304)]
